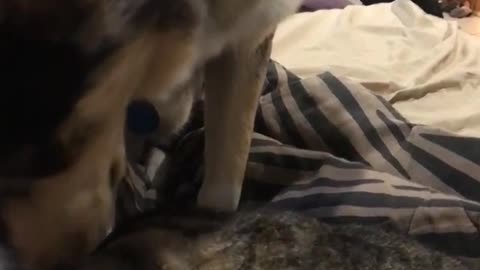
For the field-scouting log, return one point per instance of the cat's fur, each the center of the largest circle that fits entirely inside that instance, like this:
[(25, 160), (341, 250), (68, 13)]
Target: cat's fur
[(266, 240)]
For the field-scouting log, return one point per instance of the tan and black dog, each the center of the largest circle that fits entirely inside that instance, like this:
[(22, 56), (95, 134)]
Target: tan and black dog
[(69, 68)]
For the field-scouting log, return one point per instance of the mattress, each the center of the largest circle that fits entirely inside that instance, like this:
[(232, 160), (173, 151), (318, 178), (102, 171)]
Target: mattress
[(425, 66)]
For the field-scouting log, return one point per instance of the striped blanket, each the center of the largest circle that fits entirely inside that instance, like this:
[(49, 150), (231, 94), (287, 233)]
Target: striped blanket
[(330, 148)]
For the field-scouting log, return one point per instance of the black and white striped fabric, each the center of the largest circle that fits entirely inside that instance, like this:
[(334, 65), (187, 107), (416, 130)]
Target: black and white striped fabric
[(330, 148)]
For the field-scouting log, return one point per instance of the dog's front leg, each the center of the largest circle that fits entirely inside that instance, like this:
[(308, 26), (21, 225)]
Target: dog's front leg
[(233, 84)]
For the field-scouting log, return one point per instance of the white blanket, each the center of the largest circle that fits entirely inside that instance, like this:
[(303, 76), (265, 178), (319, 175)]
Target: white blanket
[(426, 66)]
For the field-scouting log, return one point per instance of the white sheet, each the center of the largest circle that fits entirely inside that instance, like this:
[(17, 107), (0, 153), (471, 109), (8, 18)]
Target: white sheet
[(426, 66)]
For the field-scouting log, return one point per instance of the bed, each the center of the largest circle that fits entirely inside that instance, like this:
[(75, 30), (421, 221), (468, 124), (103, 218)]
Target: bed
[(350, 128), (416, 61)]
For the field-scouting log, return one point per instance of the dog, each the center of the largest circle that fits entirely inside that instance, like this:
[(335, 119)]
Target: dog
[(262, 239), (68, 71)]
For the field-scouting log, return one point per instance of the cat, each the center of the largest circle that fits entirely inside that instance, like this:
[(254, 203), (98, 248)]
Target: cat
[(267, 240)]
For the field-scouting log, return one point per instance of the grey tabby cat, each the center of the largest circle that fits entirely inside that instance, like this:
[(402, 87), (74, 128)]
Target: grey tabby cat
[(265, 240)]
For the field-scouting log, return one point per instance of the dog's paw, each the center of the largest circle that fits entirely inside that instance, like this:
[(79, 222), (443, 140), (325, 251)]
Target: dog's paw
[(223, 197)]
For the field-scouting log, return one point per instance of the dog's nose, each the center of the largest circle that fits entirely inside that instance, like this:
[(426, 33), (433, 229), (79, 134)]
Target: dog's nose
[(142, 118)]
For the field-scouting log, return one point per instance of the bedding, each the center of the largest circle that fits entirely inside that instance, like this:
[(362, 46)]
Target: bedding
[(431, 7), (326, 146), (427, 67)]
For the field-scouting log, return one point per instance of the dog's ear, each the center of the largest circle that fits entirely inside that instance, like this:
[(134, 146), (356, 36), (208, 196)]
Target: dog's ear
[(35, 8), (45, 19)]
